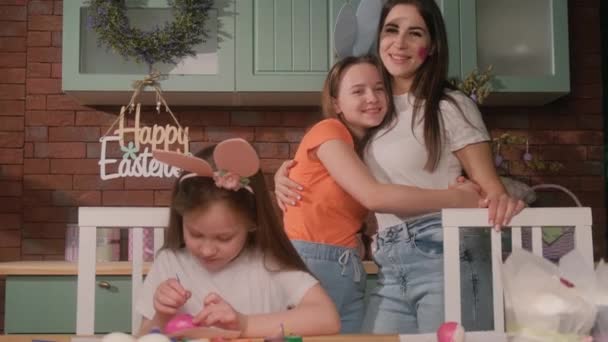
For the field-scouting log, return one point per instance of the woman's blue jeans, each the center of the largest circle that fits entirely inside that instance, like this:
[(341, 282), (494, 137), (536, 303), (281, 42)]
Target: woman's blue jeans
[(340, 272), (409, 295)]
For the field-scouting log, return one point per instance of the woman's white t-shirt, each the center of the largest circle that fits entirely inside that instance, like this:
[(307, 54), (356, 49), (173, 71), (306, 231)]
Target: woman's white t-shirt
[(245, 283), (397, 154)]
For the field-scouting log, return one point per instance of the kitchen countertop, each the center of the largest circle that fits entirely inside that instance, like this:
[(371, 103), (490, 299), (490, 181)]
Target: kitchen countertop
[(103, 268), (64, 268)]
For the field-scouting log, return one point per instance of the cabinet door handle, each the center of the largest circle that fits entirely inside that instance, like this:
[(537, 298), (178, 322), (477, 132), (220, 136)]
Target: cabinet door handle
[(104, 284)]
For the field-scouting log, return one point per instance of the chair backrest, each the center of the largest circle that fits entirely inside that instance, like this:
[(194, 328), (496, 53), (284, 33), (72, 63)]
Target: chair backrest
[(89, 220), (536, 218)]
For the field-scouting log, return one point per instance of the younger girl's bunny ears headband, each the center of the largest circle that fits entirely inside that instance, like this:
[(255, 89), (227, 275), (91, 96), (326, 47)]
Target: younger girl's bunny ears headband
[(236, 161)]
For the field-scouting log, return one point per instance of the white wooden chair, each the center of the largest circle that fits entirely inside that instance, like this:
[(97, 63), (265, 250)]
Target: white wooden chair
[(536, 218), (89, 220)]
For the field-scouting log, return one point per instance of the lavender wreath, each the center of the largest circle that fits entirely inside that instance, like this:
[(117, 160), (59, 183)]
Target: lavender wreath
[(165, 44)]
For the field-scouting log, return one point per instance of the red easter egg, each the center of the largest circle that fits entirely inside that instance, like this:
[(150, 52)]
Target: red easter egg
[(178, 323), (450, 332)]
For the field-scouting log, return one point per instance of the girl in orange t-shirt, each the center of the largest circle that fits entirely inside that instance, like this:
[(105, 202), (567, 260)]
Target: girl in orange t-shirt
[(337, 190)]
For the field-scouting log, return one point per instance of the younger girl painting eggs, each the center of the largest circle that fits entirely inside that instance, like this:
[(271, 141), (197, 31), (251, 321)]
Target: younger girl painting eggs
[(226, 259)]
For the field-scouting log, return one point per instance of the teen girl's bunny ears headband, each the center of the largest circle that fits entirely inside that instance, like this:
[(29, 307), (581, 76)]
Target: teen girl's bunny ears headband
[(236, 161), (355, 31)]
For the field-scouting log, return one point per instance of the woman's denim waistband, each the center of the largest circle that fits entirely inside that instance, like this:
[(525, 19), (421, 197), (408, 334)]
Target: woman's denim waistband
[(410, 227)]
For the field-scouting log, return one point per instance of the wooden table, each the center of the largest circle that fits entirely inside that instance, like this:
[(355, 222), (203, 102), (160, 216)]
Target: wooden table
[(488, 336), (335, 338)]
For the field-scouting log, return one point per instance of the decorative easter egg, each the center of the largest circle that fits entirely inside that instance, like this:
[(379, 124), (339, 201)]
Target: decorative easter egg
[(178, 323), (154, 338), (498, 159), (118, 337), (450, 332)]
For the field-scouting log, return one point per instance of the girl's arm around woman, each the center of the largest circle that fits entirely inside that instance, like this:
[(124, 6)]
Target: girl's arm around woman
[(347, 169)]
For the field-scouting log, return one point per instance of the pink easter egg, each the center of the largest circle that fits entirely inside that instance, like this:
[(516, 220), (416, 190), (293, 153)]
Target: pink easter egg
[(450, 332), (178, 323)]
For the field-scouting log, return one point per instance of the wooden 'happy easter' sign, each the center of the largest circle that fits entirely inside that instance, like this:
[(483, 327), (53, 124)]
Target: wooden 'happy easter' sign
[(137, 159)]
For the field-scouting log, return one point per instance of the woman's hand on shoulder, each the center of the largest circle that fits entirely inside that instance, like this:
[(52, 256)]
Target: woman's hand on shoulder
[(286, 190), (502, 208), (169, 296), (219, 313)]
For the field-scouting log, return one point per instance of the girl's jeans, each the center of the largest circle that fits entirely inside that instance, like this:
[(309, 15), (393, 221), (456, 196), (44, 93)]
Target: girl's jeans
[(409, 294), (341, 273)]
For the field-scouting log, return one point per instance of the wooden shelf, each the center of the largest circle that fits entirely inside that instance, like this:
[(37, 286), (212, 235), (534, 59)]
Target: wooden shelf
[(64, 268)]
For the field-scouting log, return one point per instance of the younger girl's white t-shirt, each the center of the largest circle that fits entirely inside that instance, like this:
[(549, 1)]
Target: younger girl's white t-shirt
[(245, 283), (397, 154)]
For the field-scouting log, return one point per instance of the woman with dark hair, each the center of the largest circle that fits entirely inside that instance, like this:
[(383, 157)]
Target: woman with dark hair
[(434, 134)]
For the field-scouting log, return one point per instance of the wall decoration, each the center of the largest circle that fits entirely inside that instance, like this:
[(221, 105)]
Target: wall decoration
[(530, 161), (166, 44), (138, 142), (477, 86)]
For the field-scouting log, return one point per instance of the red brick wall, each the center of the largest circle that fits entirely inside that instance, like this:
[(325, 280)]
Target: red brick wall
[(49, 144)]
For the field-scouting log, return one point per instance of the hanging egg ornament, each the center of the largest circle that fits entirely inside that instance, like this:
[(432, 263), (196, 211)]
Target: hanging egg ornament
[(527, 156), (498, 159), (178, 323)]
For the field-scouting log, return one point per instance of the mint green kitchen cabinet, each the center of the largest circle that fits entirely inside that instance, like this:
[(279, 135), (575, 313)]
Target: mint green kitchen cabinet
[(525, 41), (46, 304), (269, 52), (96, 75), (288, 45), (40, 296), (450, 11), (285, 46)]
